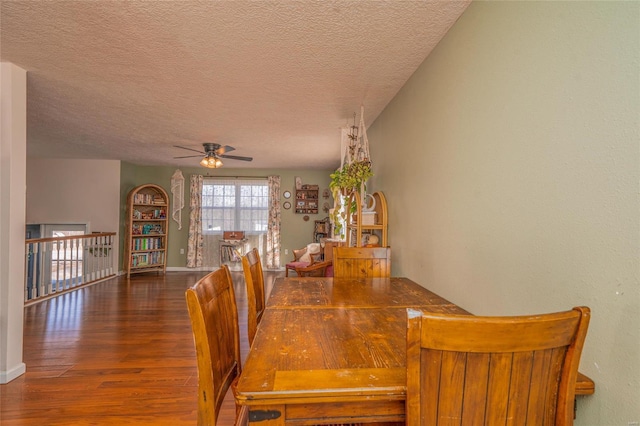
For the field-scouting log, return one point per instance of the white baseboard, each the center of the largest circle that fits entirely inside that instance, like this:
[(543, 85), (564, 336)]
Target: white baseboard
[(207, 269), (14, 373), (203, 269), (185, 269)]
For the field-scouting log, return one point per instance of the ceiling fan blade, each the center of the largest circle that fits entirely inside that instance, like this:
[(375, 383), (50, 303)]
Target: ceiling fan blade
[(224, 149), (190, 149), (236, 157), (189, 156)]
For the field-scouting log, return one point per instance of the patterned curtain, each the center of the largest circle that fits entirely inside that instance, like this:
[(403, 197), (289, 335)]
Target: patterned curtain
[(273, 228), (195, 244)]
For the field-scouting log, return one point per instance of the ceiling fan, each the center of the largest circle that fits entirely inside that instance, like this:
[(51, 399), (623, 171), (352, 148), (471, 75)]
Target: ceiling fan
[(212, 153)]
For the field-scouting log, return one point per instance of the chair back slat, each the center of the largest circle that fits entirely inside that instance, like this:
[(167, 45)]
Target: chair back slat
[(254, 279), (465, 370), (361, 262), (214, 321)]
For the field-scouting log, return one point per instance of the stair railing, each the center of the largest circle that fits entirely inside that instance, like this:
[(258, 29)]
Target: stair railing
[(61, 264)]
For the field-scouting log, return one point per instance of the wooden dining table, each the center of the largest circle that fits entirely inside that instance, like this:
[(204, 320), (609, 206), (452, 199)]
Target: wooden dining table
[(333, 351)]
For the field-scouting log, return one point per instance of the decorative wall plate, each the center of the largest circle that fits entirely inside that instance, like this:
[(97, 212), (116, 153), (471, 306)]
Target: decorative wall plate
[(286, 205)]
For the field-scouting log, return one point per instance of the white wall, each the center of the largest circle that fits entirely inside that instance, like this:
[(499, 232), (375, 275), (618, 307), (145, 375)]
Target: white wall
[(13, 143), (74, 191), (510, 161)]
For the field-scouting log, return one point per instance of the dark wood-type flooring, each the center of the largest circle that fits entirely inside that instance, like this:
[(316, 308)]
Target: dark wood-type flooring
[(119, 352)]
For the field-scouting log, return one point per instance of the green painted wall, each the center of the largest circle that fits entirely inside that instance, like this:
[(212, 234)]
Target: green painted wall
[(510, 162), (295, 232)]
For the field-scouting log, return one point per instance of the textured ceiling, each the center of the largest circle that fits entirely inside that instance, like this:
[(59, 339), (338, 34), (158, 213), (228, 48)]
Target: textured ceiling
[(274, 79)]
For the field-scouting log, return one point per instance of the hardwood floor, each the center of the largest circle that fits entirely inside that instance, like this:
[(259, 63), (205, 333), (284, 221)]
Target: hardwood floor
[(116, 353)]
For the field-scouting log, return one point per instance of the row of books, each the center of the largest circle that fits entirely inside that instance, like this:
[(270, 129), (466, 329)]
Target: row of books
[(230, 254), (147, 228), (146, 259), (148, 199), (146, 243), (151, 214)]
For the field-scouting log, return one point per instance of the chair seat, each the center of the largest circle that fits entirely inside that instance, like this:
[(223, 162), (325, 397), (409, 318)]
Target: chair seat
[(317, 269), (294, 265)]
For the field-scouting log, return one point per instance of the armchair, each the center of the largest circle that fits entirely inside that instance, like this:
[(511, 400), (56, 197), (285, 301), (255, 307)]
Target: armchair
[(304, 257)]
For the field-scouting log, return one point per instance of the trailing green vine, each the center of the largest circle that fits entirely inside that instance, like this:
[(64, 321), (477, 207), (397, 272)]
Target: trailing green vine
[(351, 177)]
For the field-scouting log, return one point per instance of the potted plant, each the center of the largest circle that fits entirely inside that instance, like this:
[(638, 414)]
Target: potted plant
[(351, 177)]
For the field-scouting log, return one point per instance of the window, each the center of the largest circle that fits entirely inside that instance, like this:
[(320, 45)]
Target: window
[(234, 205)]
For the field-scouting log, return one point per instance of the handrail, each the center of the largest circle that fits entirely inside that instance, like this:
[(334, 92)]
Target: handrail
[(68, 237), (60, 264)]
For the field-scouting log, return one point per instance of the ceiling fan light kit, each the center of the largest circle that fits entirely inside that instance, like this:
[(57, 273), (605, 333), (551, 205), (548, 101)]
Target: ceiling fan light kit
[(211, 162)]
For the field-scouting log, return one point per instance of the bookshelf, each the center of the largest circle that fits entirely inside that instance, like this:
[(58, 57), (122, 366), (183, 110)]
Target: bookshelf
[(146, 230)]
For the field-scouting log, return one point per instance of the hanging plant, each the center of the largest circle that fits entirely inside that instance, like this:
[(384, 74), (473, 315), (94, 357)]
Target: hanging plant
[(351, 177), (357, 174)]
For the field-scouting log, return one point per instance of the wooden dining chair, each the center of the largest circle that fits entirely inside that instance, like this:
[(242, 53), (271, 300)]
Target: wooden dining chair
[(254, 279), (469, 370), (315, 270), (214, 321), (361, 262)]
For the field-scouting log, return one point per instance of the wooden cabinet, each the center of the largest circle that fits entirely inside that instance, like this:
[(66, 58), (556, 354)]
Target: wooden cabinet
[(322, 230), (145, 246), (327, 250), (363, 224), (307, 199)]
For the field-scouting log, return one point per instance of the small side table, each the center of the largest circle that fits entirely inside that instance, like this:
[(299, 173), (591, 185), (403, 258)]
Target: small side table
[(231, 251)]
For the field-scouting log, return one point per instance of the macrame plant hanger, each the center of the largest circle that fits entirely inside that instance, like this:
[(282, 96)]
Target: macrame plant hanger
[(177, 190), (363, 141), (359, 151)]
